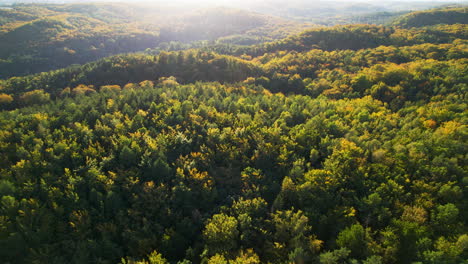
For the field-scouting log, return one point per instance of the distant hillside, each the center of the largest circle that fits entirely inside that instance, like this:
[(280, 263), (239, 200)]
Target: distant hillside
[(278, 71), (377, 18), (52, 42), (49, 29), (351, 37), (37, 38), (9, 15), (213, 23), (186, 66), (336, 12), (433, 17), (205, 65)]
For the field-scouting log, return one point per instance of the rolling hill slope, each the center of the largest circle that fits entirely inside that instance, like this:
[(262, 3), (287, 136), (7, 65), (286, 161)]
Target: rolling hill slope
[(447, 16), (37, 38)]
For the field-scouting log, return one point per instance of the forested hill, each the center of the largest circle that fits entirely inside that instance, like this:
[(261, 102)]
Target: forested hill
[(187, 66), (433, 17), (344, 48), (355, 37), (38, 38), (338, 145)]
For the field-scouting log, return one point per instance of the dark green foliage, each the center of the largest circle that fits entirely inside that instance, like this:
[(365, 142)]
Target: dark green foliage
[(187, 66), (433, 17), (355, 238), (88, 166)]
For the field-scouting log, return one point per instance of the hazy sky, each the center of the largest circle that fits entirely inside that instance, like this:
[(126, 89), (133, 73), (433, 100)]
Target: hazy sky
[(231, 1), (256, 4)]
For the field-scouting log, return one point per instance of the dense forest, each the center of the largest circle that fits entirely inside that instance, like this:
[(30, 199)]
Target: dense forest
[(241, 144), (433, 17)]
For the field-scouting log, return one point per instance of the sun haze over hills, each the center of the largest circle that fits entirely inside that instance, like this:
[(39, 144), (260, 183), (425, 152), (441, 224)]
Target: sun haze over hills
[(233, 132)]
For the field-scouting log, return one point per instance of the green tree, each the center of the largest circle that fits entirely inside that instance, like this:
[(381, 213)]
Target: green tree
[(34, 97), (221, 234), (356, 239)]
